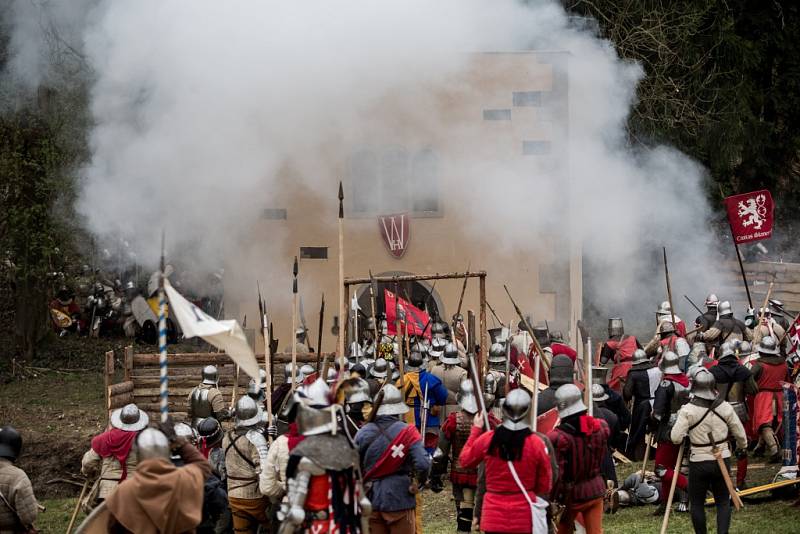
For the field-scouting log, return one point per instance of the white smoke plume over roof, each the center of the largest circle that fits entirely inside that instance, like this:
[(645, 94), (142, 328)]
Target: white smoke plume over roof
[(199, 106)]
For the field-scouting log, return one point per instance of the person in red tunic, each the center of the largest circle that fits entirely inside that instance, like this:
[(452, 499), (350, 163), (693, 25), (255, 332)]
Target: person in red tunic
[(769, 371), (453, 436), (618, 349), (517, 469), (580, 441)]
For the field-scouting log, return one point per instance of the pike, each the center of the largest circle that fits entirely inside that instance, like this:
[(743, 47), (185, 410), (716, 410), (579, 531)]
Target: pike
[(265, 327), (507, 385), (737, 501), (693, 305), (373, 289), (476, 386), (423, 415), (294, 322), (463, 289), (342, 304), (588, 376), (527, 326), (494, 314), (319, 334), (535, 393), (669, 289), (400, 362), (665, 521)]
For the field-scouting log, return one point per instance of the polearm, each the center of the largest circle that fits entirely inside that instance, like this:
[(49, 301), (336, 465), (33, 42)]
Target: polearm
[(294, 323), (372, 291), (162, 339), (494, 314), (321, 326), (476, 386), (342, 305), (463, 290), (535, 407), (507, 384), (400, 362), (262, 308), (669, 290), (693, 305), (528, 327), (423, 415), (588, 375)]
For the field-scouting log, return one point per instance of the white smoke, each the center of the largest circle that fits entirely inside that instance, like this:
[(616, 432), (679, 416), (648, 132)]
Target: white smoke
[(207, 112)]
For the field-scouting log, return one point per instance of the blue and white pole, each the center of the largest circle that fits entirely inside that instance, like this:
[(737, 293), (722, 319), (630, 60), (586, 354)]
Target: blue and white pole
[(162, 340)]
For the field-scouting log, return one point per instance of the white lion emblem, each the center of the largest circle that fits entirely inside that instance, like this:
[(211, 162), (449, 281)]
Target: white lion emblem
[(753, 211)]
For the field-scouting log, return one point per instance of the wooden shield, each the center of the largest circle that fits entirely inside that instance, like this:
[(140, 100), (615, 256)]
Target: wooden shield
[(395, 231)]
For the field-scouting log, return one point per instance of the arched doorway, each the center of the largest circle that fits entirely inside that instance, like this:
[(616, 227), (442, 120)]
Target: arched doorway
[(417, 292)]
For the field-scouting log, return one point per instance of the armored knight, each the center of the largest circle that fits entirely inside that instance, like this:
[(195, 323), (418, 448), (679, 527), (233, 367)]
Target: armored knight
[(667, 339), (450, 373), (640, 387), (452, 438), (377, 376), (206, 400), (726, 328), (769, 372), (618, 349), (494, 381), (670, 396), (709, 317), (324, 486), (245, 449), (637, 492), (561, 372), (664, 313)]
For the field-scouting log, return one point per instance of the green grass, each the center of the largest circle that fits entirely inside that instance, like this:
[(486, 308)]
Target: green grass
[(56, 516)]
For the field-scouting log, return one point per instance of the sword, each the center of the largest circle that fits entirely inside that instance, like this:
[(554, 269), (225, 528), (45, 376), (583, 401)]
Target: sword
[(737, 501)]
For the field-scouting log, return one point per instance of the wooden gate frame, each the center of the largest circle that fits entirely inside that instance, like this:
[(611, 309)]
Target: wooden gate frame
[(480, 275)]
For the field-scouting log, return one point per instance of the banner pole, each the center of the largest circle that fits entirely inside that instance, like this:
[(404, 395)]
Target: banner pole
[(294, 324), (162, 339)]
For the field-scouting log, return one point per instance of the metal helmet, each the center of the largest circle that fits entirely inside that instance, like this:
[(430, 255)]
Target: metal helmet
[(333, 374), (726, 350), (438, 329), (129, 418), (450, 356), (666, 327), (437, 348), (599, 374), (646, 493), (395, 371), (255, 391), (152, 444), (745, 348), (305, 371), (640, 356), (516, 408), (210, 430), (498, 335), (415, 361), (185, 431), (497, 353), (466, 397), (359, 369), (10, 443), (380, 369), (712, 301), (542, 333), (704, 385), (664, 308), (315, 413), (210, 375), (569, 400), (357, 391), (561, 370), (421, 346), (392, 403), (724, 309), (247, 412), (599, 393), (355, 352), (615, 327), (768, 346), (669, 363), (777, 307), (317, 394)]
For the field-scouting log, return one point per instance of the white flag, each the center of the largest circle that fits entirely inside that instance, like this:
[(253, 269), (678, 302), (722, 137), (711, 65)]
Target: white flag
[(227, 336)]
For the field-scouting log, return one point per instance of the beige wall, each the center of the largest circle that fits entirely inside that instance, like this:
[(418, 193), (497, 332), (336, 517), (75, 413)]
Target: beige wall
[(441, 243)]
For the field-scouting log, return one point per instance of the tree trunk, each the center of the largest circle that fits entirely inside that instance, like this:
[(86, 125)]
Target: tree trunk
[(30, 318)]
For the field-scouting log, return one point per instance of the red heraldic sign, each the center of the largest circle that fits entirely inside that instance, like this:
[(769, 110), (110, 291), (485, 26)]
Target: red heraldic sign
[(750, 216), (415, 320), (395, 232)]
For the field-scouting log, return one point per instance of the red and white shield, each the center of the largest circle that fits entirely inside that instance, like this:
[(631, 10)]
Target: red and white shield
[(395, 232)]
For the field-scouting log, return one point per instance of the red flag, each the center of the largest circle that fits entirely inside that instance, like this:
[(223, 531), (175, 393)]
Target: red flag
[(794, 334), (750, 216), (413, 319)]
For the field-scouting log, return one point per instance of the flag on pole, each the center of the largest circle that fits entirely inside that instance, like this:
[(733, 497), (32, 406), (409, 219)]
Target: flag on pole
[(794, 334), (227, 336), (415, 320), (750, 216)]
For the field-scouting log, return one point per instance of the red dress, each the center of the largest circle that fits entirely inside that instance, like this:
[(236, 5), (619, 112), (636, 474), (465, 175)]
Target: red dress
[(770, 390), (505, 508)]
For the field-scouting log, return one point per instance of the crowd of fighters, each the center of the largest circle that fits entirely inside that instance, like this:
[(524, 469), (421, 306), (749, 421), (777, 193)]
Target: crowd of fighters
[(353, 450)]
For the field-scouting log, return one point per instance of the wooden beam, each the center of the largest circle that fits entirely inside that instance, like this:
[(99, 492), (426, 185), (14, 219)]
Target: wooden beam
[(414, 277), (206, 358), (128, 362), (108, 379)]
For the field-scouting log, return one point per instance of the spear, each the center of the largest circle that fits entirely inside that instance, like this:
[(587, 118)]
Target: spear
[(694, 305), (400, 362), (494, 313), (527, 327), (372, 291), (669, 290), (319, 334), (262, 308), (294, 322), (463, 289), (341, 278), (162, 338)]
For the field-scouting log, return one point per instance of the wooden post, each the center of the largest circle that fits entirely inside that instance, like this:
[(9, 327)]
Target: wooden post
[(294, 325), (347, 331), (128, 362), (482, 365), (109, 379)]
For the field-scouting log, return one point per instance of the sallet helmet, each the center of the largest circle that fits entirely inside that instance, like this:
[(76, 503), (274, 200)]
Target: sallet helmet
[(10, 443), (712, 301), (599, 393), (516, 408), (247, 412), (450, 356), (704, 385), (569, 400), (152, 444), (768, 346), (210, 375), (392, 403), (466, 397), (724, 309)]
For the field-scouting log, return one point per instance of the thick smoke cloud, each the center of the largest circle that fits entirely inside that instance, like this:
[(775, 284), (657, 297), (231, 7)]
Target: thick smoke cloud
[(200, 107)]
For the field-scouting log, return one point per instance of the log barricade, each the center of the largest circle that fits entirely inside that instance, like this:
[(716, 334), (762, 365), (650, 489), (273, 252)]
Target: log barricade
[(141, 383)]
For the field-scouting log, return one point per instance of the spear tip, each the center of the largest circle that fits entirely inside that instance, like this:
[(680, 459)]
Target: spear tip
[(295, 269), (341, 201)]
